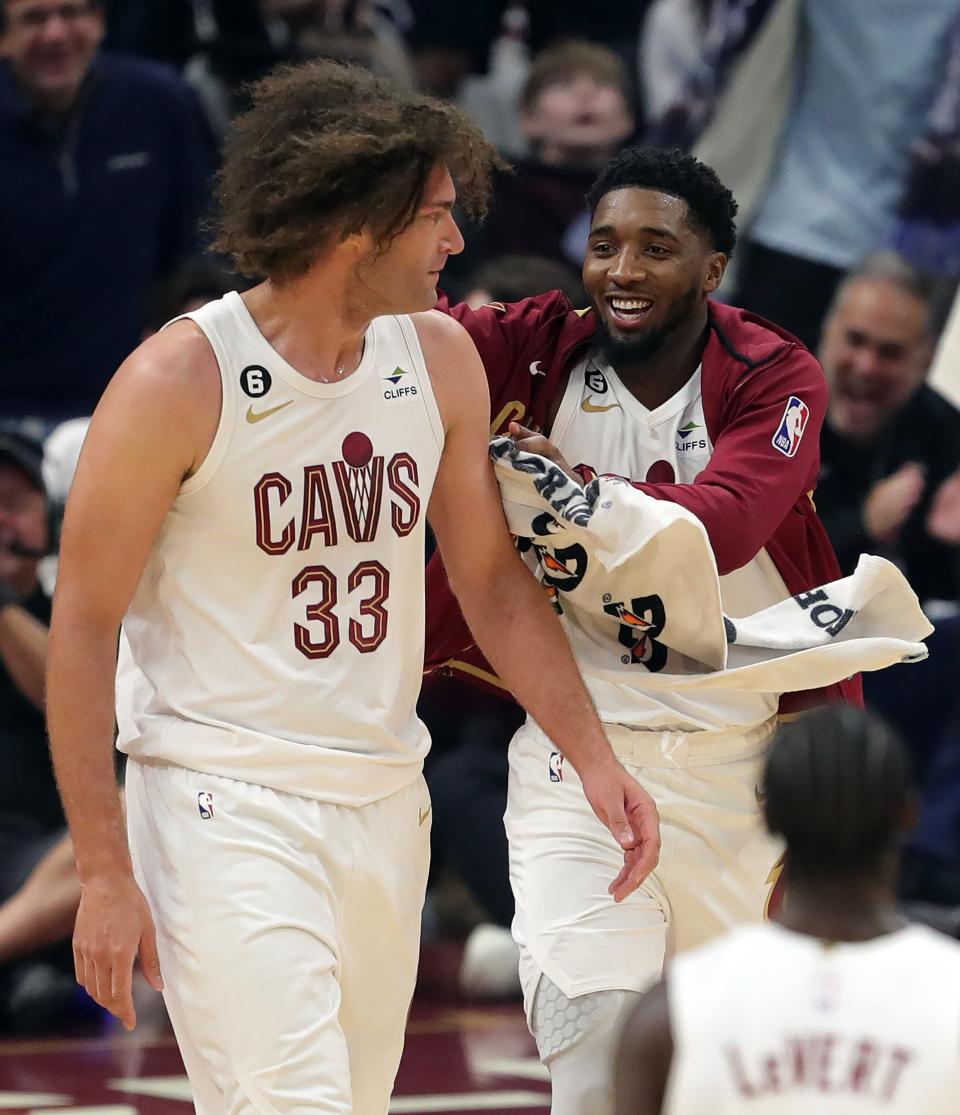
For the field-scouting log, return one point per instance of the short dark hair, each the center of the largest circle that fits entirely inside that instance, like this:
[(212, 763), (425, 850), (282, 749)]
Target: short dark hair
[(711, 205), (328, 149), (838, 782)]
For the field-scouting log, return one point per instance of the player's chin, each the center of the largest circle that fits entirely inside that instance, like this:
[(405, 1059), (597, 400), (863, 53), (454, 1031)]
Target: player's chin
[(426, 300)]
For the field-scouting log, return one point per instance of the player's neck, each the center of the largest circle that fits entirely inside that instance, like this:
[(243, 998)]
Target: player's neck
[(309, 323), (842, 909), (656, 379)]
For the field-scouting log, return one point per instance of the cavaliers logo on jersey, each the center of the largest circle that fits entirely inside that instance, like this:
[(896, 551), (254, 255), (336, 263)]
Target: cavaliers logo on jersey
[(360, 478)]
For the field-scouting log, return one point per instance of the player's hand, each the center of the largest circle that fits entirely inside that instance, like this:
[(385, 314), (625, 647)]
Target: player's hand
[(113, 925), (531, 442), (891, 500), (943, 521), (630, 813)]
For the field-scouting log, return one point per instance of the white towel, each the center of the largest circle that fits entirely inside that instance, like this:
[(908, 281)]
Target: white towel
[(605, 543)]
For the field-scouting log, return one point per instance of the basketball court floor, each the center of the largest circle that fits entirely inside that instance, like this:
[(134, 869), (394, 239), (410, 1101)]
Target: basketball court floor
[(459, 1057)]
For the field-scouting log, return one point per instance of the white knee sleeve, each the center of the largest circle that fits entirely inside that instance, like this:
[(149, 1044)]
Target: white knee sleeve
[(577, 1040)]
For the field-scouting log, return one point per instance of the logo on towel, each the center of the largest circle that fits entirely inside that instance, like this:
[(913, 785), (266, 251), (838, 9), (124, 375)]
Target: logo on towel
[(640, 624), (796, 415), (205, 805)]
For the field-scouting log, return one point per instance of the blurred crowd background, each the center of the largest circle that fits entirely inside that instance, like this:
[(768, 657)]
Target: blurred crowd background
[(837, 125)]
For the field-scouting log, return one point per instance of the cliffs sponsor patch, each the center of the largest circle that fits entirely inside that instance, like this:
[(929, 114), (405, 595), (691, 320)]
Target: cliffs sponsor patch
[(688, 439), (400, 385), (789, 433)]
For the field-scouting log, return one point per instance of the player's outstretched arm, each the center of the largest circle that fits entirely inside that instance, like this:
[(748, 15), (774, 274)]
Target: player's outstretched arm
[(644, 1056), (147, 434), (507, 610)]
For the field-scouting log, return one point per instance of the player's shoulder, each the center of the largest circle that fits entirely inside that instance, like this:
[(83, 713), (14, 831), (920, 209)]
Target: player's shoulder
[(752, 341), (177, 364), (444, 342), (924, 942), (745, 347)]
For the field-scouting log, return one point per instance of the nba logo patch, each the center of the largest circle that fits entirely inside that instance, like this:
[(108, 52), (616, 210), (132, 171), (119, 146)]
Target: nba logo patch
[(792, 424), (556, 766), (205, 805)]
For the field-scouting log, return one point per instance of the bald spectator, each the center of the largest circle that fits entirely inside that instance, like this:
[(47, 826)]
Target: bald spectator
[(105, 166)]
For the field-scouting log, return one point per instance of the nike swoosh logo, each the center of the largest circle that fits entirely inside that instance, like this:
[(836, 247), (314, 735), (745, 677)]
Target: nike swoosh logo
[(254, 416), (425, 813), (588, 406)]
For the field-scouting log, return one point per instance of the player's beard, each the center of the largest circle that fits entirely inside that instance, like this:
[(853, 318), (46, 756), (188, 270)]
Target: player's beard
[(627, 352)]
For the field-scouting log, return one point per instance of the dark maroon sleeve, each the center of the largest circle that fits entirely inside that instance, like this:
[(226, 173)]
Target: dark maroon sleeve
[(749, 487), (509, 336)]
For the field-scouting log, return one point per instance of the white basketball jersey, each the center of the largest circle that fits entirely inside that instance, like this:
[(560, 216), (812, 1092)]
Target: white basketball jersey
[(276, 635), (769, 1022), (601, 424)]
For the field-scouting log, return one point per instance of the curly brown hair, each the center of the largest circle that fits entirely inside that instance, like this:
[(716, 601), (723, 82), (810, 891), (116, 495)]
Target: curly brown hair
[(327, 150)]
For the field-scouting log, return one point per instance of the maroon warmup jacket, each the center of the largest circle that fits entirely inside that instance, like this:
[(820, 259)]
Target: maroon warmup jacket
[(748, 497)]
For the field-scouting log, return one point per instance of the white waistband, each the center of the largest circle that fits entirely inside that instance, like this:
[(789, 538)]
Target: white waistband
[(669, 748)]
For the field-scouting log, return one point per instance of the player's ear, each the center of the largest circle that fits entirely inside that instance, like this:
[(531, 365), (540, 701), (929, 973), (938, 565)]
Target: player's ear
[(716, 266)]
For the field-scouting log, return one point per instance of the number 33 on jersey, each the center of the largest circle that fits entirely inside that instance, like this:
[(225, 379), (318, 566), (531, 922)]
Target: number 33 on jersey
[(300, 540)]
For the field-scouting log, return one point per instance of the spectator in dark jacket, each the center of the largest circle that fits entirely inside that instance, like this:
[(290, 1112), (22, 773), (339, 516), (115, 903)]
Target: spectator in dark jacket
[(39, 890), (105, 174), (891, 444)]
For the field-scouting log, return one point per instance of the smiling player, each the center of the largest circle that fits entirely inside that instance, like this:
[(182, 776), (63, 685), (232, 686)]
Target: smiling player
[(719, 411)]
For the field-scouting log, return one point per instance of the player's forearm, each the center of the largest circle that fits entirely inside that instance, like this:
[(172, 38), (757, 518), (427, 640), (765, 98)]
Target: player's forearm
[(521, 637), (80, 702), (23, 648)]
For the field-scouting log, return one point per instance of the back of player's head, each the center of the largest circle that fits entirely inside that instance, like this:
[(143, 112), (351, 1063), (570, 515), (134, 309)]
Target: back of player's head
[(711, 205), (838, 785), (328, 150)]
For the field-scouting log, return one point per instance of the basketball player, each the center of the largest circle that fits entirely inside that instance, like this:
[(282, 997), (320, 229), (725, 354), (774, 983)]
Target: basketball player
[(840, 1008), (250, 505), (719, 411)]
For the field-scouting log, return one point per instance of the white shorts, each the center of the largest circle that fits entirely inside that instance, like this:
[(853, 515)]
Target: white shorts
[(288, 931), (717, 863)]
